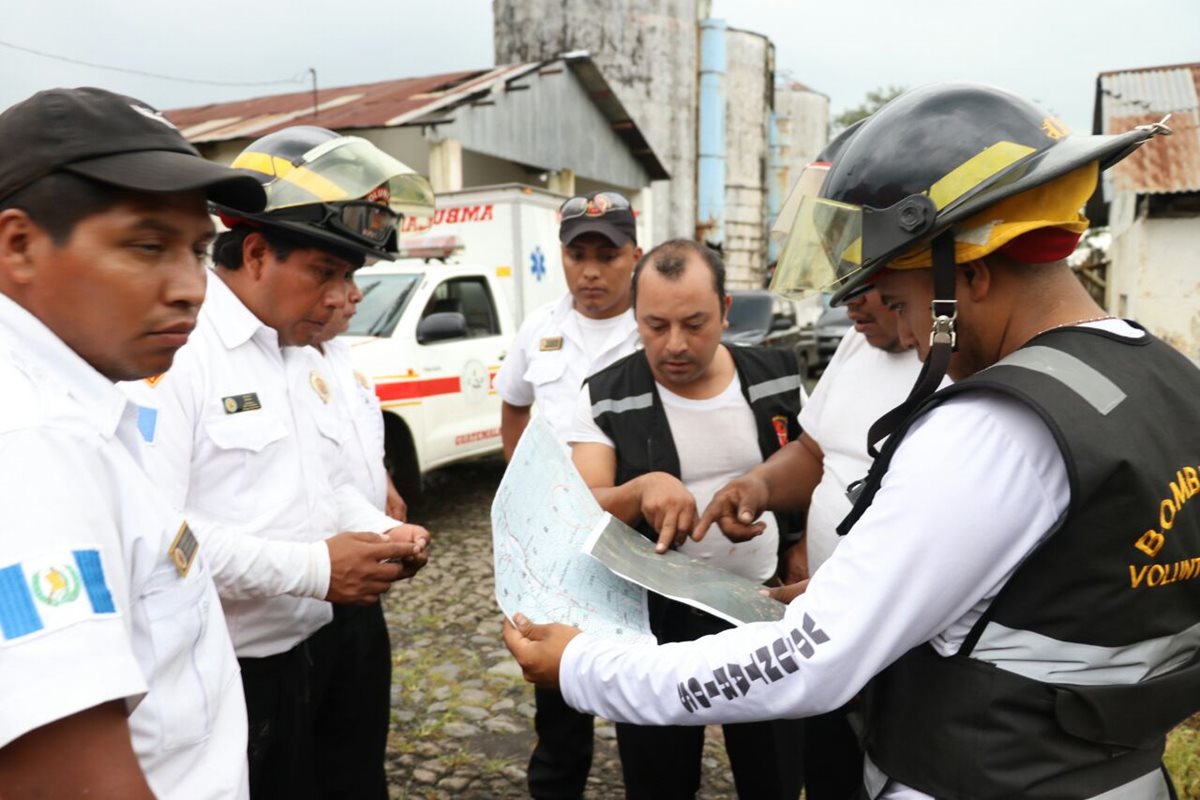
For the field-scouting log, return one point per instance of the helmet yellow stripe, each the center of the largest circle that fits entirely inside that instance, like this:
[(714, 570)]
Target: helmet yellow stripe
[(322, 189), (975, 170), (265, 163)]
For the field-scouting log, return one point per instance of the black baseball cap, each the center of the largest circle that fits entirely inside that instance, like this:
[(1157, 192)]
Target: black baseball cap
[(606, 213), (113, 139)]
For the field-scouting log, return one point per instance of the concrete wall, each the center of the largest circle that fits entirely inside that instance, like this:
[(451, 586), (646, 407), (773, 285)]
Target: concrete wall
[(748, 89), (802, 117), (647, 50), (1153, 279)]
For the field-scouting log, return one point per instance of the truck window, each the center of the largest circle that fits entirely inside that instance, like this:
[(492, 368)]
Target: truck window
[(470, 297), (384, 299)]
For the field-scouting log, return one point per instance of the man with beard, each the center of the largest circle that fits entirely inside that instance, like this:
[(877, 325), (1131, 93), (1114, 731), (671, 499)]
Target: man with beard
[(654, 435)]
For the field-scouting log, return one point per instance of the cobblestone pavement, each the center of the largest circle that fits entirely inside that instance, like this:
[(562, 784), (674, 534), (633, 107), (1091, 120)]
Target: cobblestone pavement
[(462, 717)]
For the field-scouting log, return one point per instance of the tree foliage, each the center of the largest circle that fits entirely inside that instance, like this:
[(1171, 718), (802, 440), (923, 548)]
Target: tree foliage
[(876, 98)]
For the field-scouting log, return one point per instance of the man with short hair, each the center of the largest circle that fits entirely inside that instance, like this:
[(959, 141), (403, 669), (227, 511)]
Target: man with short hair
[(1024, 610), (119, 679), (655, 434), (246, 428), (557, 347)]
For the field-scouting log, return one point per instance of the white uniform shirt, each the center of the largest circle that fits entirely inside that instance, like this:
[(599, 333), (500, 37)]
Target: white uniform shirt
[(921, 565), (361, 452), (240, 446), (696, 426), (92, 607), (551, 357), (860, 385)]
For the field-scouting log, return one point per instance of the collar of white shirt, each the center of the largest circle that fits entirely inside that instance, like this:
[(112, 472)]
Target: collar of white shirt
[(235, 323), (560, 319), (44, 354)]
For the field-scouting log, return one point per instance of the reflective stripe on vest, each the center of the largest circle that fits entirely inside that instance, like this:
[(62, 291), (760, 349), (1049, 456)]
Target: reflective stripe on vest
[(1087, 382), (1050, 660)]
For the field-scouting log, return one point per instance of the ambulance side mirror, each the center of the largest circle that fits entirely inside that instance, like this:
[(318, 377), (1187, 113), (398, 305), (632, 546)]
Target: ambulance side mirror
[(441, 326)]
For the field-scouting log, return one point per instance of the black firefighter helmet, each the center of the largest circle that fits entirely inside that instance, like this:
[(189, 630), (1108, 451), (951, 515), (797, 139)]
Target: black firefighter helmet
[(338, 190), (968, 159)]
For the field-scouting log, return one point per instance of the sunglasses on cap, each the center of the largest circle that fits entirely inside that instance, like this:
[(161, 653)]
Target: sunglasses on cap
[(596, 206), (366, 220)]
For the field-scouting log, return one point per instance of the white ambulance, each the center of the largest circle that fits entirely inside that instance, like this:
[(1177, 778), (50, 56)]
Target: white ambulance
[(435, 325)]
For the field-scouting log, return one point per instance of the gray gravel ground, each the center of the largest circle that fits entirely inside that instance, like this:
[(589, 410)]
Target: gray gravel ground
[(462, 717)]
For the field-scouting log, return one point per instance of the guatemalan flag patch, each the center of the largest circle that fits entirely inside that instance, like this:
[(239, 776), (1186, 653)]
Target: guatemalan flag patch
[(51, 591)]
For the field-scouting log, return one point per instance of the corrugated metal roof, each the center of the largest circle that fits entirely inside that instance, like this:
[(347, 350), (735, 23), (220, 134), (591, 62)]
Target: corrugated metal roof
[(409, 101), (370, 105), (1125, 99)]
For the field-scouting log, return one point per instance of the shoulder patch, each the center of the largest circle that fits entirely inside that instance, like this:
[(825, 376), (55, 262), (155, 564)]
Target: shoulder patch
[(52, 591)]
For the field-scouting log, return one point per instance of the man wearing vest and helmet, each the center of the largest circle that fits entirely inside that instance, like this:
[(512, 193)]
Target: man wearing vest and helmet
[(1021, 556), (247, 443)]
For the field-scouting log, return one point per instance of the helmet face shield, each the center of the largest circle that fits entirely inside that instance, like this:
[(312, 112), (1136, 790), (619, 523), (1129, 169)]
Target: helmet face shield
[(823, 249), (342, 169)]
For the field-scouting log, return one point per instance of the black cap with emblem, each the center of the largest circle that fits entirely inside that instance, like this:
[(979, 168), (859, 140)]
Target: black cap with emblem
[(112, 139)]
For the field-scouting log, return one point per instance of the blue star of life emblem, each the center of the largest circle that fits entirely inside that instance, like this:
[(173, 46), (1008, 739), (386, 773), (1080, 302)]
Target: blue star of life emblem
[(537, 263)]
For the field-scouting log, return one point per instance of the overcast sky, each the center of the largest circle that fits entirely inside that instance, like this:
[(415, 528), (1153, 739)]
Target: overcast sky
[(1049, 50)]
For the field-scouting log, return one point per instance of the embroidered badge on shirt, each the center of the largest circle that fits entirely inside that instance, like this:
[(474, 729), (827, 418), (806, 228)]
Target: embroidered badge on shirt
[(781, 429), (183, 550), (319, 386), (550, 343), (51, 591), (237, 403)]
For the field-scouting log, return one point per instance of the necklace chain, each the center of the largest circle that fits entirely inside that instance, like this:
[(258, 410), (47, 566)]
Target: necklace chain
[(1072, 324)]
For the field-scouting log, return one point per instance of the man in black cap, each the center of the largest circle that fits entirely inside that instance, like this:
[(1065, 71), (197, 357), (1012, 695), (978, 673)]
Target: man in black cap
[(119, 675), (557, 347)]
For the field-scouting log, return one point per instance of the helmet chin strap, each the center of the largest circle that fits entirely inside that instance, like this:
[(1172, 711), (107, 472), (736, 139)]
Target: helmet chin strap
[(942, 342)]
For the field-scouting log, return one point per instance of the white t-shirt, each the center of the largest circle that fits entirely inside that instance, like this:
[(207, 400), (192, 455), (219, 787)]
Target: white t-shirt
[(93, 607), (717, 441), (921, 565), (860, 385), (554, 351)]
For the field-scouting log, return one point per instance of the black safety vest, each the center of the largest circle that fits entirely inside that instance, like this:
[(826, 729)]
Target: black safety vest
[(627, 407), (1104, 615)]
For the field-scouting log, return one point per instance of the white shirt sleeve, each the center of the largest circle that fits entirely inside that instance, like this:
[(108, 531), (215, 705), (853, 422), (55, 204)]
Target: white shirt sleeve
[(583, 427), (510, 380), (243, 564), (948, 527), (57, 659)]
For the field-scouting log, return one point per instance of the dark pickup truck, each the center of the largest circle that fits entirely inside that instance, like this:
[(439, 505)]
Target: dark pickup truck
[(759, 318)]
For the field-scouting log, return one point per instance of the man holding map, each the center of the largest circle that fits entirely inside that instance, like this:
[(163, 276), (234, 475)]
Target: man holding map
[(654, 435), (558, 346)]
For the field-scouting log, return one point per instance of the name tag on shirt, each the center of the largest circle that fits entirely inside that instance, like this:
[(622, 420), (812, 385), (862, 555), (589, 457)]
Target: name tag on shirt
[(550, 343), (237, 403), (183, 550)]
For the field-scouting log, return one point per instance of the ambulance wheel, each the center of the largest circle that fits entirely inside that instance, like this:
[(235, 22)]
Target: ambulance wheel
[(400, 455)]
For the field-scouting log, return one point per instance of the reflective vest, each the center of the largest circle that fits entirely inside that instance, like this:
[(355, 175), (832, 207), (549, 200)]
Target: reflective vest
[(1090, 653), (627, 407)]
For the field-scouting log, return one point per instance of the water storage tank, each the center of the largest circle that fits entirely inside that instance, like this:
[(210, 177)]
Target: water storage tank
[(749, 84), (647, 50)]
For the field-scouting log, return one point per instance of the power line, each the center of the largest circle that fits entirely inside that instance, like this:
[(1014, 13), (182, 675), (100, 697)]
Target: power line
[(143, 73)]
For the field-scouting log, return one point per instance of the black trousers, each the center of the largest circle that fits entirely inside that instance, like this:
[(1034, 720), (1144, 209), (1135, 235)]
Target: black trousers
[(833, 757), (562, 756), (352, 666), (663, 762), (278, 709), (319, 713)]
